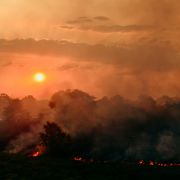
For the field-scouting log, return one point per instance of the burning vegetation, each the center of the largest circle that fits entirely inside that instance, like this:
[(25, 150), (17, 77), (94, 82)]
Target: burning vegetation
[(160, 164)]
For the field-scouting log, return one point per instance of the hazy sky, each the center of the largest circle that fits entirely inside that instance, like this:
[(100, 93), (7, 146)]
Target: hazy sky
[(126, 47), (90, 20)]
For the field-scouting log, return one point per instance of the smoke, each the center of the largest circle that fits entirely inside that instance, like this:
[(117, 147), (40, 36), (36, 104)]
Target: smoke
[(21, 121), (167, 145), (104, 48), (120, 128), (110, 128)]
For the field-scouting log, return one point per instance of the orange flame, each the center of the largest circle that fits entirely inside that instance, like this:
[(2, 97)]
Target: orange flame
[(40, 149), (78, 158), (35, 154)]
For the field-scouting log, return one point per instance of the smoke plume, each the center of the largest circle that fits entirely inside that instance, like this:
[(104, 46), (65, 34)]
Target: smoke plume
[(110, 128)]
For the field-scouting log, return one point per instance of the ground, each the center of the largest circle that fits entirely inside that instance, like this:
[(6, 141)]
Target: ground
[(16, 167)]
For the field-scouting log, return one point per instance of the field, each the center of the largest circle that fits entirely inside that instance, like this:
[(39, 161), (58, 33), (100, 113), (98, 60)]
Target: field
[(18, 167)]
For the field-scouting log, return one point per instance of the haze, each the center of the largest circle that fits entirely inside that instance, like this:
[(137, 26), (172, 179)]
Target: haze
[(125, 47)]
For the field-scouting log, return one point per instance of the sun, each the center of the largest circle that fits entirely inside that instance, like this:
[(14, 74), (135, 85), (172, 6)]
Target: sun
[(39, 77)]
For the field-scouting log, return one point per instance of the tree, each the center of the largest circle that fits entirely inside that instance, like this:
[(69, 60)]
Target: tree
[(56, 141)]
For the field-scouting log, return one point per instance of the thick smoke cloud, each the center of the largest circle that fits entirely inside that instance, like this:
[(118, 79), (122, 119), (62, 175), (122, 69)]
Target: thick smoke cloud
[(116, 128), (21, 121)]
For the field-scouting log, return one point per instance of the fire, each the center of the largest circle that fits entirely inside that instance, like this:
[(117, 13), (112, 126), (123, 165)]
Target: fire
[(151, 163), (84, 160), (40, 149), (36, 154), (141, 162), (78, 158), (160, 164), (87, 160)]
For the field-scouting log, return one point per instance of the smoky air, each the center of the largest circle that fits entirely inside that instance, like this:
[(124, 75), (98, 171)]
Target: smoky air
[(109, 128)]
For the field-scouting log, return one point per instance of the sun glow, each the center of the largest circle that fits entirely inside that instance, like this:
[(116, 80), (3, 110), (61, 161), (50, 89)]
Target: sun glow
[(39, 77)]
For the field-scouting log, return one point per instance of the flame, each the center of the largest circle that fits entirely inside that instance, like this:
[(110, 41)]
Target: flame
[(40, 149), (86, 160), (36, 154), (151, 163), (160, 164), (141, 162), (78, 158)]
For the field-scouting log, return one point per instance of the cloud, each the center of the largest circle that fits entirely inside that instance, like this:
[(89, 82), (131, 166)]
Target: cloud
[(80, 20), (117, 28), (101, 18), (143, 56), (67, 27), (42, 18), (87, 20), (67, 67), (129, 47), (102, 24), (111, 28), (147, 67)]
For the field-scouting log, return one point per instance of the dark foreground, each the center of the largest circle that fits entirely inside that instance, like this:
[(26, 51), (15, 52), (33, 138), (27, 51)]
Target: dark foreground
[(22, 168)]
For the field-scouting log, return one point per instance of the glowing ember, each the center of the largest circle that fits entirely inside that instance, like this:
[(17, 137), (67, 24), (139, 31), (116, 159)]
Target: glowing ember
[(78, 158), (151, 163), (141, 162)]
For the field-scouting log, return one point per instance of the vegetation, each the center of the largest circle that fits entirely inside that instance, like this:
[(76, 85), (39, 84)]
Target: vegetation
[(57, 142)]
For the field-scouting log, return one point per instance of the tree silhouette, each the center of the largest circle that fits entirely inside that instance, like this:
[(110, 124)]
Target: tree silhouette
[(57, 142)]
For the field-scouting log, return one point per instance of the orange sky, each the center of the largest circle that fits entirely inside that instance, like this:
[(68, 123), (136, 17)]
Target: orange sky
[(126, 47)]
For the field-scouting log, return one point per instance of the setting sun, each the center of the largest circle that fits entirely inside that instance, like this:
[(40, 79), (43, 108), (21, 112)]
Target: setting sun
[(39, 77)]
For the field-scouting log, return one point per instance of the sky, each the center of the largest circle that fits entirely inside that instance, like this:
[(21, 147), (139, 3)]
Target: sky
[(125, 47)]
